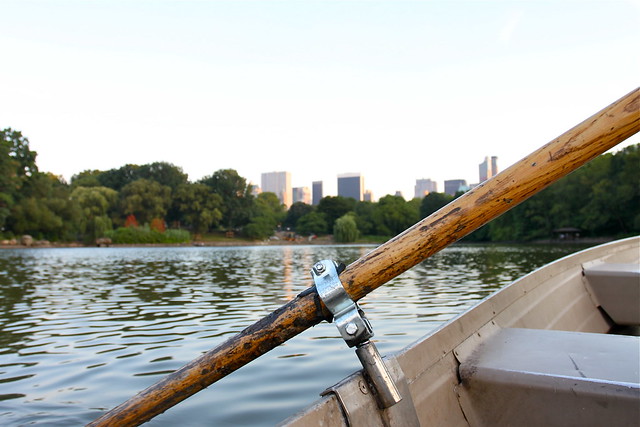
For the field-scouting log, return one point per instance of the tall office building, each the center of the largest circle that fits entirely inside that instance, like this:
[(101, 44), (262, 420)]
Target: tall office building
[(255, 189), (452, 186), (488, 168), (301, 194), (368, 196), (316, 191), (424, 187), (351, 185), (280, 184)]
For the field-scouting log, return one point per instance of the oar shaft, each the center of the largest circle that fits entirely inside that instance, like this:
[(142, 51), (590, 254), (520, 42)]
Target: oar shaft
[(535, 172)]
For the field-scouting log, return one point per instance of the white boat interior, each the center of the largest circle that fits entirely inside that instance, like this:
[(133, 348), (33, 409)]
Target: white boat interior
[(559, 346)]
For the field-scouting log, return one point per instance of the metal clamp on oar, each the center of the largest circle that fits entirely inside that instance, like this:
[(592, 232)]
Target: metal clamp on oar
[(354, 328)]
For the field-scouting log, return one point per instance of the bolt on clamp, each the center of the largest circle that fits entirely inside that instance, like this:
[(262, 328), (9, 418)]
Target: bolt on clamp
[(354, 328)]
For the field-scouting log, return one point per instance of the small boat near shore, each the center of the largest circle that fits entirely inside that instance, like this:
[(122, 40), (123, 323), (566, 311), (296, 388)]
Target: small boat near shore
[(557, 347)]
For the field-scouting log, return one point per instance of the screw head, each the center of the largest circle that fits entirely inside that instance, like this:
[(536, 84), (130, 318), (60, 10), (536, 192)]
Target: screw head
[(351, 328), (319, 267)]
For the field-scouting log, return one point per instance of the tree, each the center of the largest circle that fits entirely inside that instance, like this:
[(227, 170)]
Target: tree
[(312, 223), (268, 204), (433, 202), (601, 199), (119, 178), (87, 178), (157, 224), (345, 229), (163, 173), (198, 206), (131, 221), (295, 212), (236, 196), (145, 199), (98, 204), (365, 214), (394, 215), (267, 214), (17, 166), (259, 228), (22, 160), (334, 207), (45, 210)]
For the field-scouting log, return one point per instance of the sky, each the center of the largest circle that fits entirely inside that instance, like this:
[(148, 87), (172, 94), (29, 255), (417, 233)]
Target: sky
[(396, 90)]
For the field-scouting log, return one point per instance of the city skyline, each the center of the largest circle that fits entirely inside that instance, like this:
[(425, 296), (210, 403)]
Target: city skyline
[(353, 182), (396, 90)]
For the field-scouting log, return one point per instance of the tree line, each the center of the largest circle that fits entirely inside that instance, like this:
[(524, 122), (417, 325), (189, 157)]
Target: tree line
[(157, 199)]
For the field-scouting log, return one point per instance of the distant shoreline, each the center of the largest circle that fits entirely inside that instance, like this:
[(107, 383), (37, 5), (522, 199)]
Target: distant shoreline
[(299, 242), (327, 240)]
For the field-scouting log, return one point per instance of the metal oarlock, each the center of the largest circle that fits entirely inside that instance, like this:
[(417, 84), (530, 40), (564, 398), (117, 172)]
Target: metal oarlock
[(354, 328)]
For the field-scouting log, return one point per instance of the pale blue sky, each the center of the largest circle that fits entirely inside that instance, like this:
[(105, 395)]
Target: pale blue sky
[(396, 90)]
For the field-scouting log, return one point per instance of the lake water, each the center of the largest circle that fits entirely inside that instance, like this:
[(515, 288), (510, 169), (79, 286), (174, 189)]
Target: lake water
[(84, 329)]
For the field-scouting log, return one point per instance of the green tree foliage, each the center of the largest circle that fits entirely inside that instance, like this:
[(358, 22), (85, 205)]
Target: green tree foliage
[(312, 223), (97, 205), (268, 204), (17, 166), (197, 206), (236, 196), (365, 217), (260, 228), (268, 213), (295, 212), (334, 207), (145, 199), (145, 234), (394, 215), (87, 178), (45, 210), (433, 202), (22, 160), (601, 199), (163, 173), (119, 178), (345, 229)]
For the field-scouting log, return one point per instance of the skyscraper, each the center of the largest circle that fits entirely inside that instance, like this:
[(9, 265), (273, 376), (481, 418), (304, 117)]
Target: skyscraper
[(351, 185), (368, 196), (301, 194), (316, 191), (424, 187), (452, 186), (488, 168), (280, 184)]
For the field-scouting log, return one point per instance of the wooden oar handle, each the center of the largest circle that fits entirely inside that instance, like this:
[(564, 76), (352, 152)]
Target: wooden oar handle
[(465, 214)]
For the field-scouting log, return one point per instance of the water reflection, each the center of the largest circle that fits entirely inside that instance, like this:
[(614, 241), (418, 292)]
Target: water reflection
[(81, 330)]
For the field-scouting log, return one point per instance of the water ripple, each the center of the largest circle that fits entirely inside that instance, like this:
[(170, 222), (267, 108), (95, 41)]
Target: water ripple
[(81, 330)]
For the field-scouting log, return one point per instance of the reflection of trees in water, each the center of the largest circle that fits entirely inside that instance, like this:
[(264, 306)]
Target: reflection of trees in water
[(121, 313), (482, 269), (222, 288)]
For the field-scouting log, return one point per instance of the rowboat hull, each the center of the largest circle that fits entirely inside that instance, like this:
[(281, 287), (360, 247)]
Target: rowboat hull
[(538, 352)]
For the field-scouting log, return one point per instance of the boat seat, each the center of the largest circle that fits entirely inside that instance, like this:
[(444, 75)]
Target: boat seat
[(543, 377), (616, 289)]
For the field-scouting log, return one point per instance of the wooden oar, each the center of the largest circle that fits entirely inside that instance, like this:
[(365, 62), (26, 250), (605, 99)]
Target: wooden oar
[(475, 208)]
